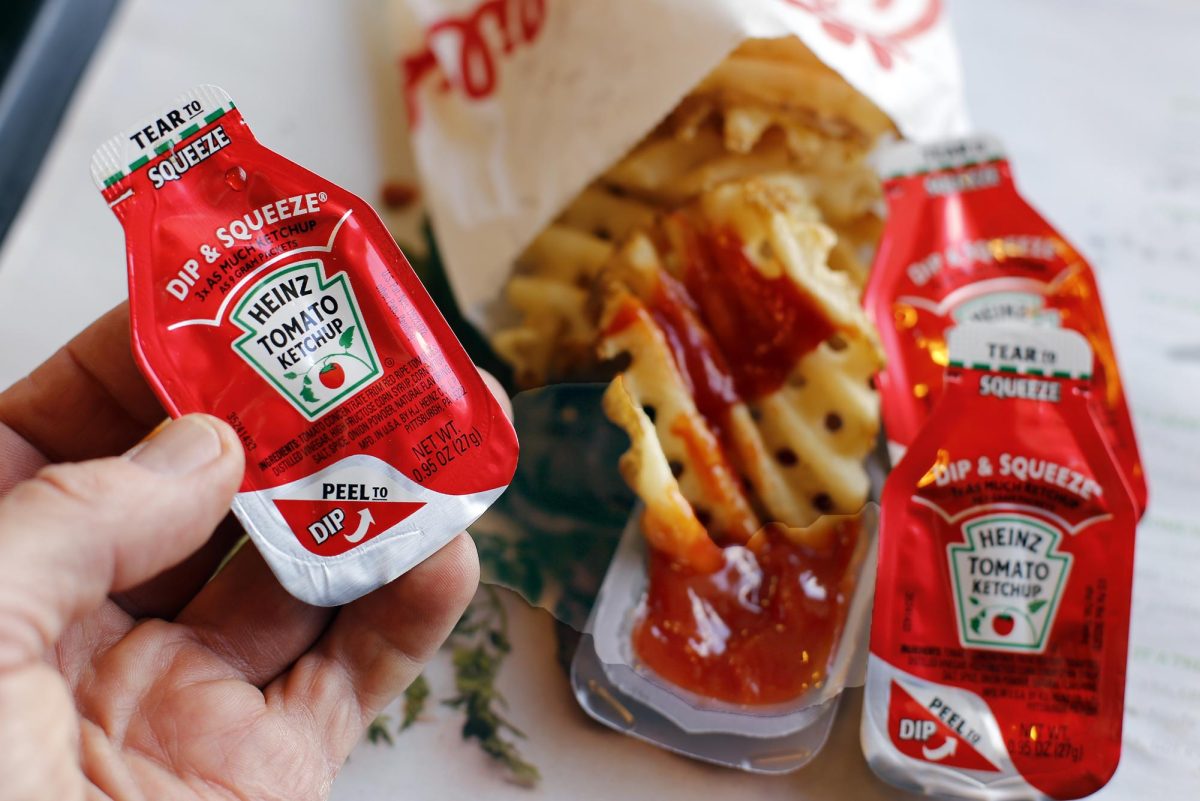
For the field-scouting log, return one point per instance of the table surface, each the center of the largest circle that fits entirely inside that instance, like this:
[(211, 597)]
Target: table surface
[(1099, 105)]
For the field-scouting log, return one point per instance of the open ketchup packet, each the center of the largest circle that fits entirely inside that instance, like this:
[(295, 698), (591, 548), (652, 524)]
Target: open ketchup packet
[(264, 295), (1001, 619), (962, 246)]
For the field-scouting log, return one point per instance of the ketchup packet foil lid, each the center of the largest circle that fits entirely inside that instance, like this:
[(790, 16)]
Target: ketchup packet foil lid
[(264, 295), (962, 246), (1001, 619)]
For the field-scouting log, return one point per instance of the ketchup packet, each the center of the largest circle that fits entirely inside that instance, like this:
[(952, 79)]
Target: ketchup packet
[(962, 246), (264, 295), (1001, 619)]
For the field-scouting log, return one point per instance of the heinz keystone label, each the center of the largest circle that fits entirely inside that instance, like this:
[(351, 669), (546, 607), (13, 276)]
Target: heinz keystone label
[(1007, 578), (305, 335)]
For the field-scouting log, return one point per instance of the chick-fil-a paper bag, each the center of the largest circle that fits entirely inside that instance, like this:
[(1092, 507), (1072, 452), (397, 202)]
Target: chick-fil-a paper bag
[(515, 105)]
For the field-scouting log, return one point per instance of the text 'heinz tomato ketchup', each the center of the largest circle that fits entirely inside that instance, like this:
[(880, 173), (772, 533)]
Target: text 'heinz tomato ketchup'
[(266, 296), (962, 246), (1001, 619)]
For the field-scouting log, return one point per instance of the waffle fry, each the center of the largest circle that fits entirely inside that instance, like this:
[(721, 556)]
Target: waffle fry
[(804, 93), (781, 234), (554, 331), (786, 49), (651, 169), (566, 254), (607, 215), (668, 173), (683, 439), (744, 452), (816, 431), (670, 523)]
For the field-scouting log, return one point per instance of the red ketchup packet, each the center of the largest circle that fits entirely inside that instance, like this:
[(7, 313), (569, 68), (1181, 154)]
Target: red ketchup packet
[(264, 295), (962, 246), (1001, 619)]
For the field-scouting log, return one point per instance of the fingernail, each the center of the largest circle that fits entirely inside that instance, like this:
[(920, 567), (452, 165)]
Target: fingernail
[(186, 444)]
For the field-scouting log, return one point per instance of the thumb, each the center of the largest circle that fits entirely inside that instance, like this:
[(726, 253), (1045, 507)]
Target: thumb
[(76, 532)]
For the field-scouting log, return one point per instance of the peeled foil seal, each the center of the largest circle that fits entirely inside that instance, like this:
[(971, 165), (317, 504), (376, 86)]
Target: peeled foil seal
[(516, 105)]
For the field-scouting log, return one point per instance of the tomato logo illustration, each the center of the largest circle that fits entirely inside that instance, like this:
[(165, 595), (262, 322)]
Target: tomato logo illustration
[(1003, 624), (338, 372), (332, 375)]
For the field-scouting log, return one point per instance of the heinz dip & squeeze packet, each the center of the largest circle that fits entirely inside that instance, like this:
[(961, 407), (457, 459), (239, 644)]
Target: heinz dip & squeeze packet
[(264, 295), (1001, 619), (962, 246)]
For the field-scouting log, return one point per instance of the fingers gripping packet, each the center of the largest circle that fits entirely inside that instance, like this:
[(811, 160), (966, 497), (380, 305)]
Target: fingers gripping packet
[(962, 246), (278, 302), (1001, 620)]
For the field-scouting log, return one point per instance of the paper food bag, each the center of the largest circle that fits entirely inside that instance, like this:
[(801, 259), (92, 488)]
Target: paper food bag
[(516, 104)]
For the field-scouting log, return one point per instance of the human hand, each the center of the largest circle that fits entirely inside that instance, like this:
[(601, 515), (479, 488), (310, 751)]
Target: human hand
[(124, 672)]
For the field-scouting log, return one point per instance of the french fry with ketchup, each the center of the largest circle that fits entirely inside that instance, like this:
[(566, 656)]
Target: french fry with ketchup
[(749, 356), (770, 108)]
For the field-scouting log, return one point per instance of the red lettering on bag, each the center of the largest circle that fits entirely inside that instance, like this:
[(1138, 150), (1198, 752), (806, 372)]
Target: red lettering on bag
[(517, 22), (885, 45)]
